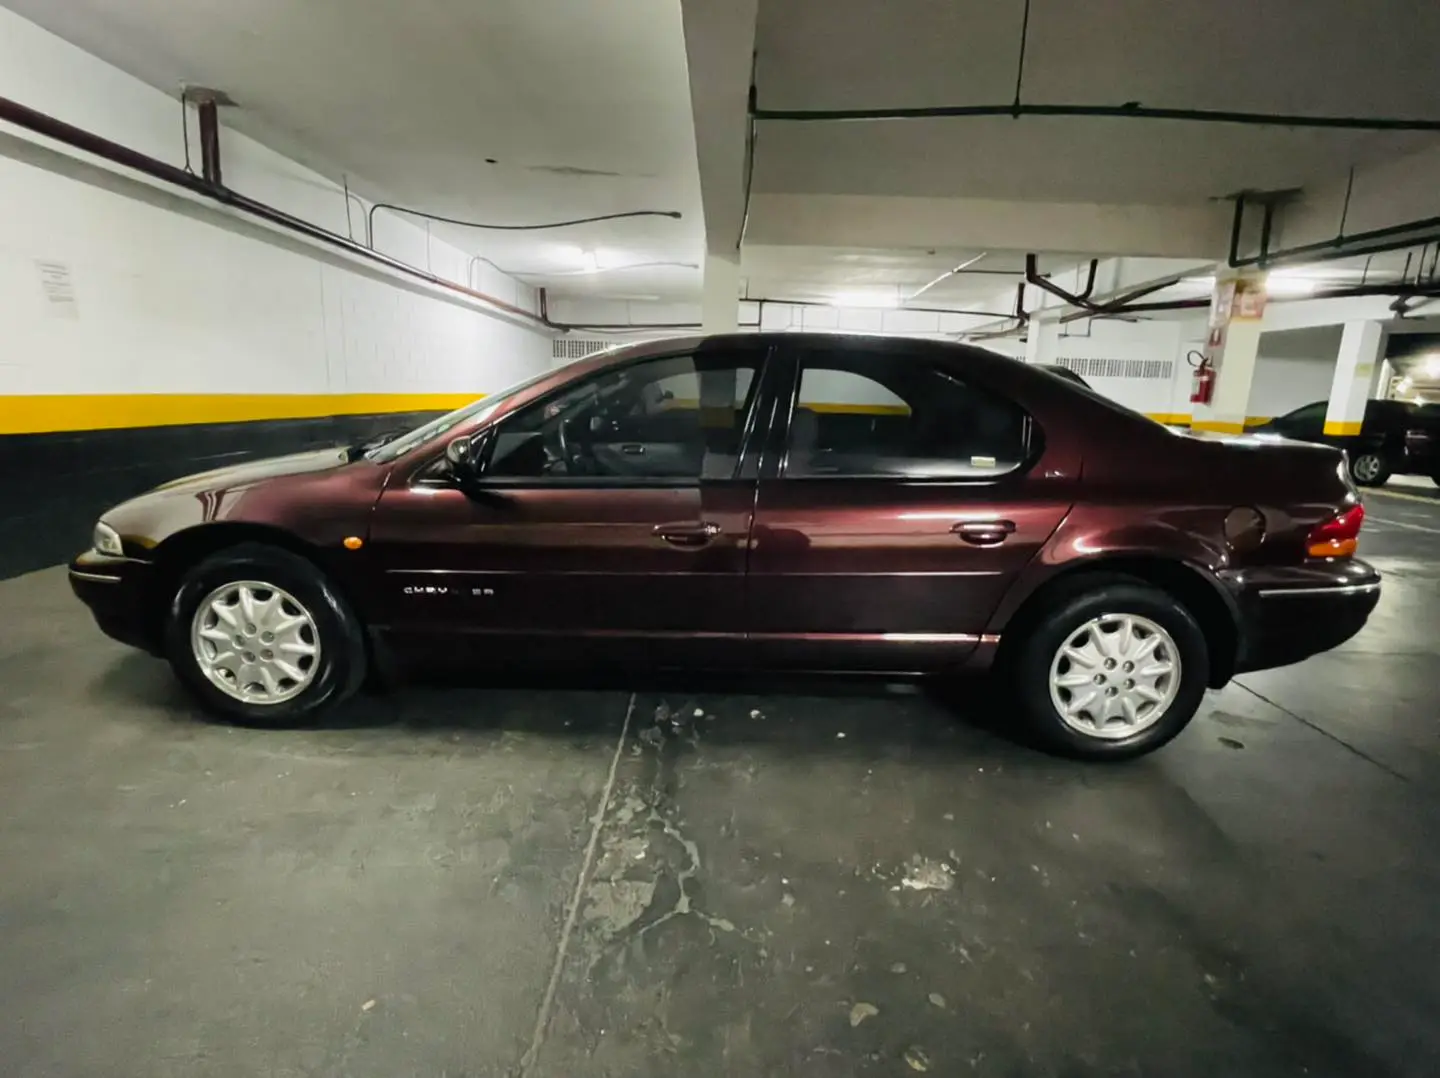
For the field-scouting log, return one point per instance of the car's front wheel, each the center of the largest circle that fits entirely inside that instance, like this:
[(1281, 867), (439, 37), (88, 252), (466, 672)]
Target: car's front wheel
[(1369, 469), (260, 636), (1112, 672)]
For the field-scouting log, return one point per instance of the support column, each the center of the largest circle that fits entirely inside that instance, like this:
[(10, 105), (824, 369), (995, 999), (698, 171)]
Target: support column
[(1035, 340), (1362, 353), (1232, 344), (720, 294)]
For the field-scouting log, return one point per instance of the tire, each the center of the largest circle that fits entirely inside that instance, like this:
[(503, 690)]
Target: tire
[(1370, 469), (1097, 615), (282, 586)]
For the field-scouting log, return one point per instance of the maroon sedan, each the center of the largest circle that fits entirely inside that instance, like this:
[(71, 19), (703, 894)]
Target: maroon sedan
[(798, 502)]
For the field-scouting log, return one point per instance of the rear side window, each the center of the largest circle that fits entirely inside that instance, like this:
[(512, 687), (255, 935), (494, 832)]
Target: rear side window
[(903, 420)]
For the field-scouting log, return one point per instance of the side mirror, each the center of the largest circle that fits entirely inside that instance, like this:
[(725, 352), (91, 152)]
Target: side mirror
[(466, 456), (460, 452)]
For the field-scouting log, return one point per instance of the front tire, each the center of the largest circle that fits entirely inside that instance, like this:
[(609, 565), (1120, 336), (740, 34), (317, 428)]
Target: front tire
[(1111, 672), (1370, 469), (261, 637)]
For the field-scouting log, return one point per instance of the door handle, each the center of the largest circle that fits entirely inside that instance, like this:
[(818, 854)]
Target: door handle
[(687, 534), (984, 532), (632, 449)]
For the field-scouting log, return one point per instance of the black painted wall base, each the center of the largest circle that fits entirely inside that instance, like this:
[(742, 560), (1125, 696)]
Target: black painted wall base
[(53, 487)]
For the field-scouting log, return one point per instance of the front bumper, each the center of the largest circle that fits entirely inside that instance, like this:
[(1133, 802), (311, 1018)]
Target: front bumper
[(1289, 613), (117, 591)]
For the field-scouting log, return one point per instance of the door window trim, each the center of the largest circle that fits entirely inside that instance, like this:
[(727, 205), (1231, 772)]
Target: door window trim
[(764, 357), (779, 446)]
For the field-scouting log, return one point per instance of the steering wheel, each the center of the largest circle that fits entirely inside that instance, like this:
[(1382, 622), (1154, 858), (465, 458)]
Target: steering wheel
[(563, 449)]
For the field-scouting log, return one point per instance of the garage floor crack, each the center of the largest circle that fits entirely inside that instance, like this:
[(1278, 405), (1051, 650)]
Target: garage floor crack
[(572, 912), (1303, 721)]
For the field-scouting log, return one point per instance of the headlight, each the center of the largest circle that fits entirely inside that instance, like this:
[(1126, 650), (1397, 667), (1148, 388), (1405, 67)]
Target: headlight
[(106, 540)]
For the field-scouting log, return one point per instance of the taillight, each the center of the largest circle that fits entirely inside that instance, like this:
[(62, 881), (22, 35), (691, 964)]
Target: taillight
[(1338, 536)]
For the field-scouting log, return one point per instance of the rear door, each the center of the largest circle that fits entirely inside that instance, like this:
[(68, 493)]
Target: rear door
[(609, 524), (896, 505)]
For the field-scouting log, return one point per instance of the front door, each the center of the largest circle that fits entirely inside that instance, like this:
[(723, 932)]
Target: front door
[(902, 507), (608, 524)]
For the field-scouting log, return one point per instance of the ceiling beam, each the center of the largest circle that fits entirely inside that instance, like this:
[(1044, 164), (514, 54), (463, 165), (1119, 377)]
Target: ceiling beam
[(720, 50), (889, 223)]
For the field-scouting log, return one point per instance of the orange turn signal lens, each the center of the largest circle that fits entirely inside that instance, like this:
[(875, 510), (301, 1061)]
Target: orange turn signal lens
[(353, 542), (1333, 548)]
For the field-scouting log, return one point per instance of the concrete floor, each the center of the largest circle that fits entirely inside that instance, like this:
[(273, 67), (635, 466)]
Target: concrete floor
[(821, 881)]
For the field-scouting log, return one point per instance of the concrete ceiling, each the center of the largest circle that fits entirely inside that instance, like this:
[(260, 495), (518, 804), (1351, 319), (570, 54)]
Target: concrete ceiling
[(501, 110), (1102, 185), (1317, 57), (1304, 57), (526, 110)]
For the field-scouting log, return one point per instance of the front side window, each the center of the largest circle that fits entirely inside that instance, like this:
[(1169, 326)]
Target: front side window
[(680, 418), (901, 420)]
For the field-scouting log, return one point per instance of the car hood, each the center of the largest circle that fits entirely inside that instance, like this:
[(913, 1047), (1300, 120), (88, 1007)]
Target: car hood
[(317, 496), (239, 475)]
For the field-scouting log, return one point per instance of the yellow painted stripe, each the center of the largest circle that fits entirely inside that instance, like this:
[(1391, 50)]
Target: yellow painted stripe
[(1342, 428), (1218, 426), (1183, 419), (837, 408), (45, 413)]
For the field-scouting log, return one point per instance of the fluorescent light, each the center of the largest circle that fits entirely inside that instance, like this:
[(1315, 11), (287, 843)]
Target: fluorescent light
[(1289, 283), (865, 299)]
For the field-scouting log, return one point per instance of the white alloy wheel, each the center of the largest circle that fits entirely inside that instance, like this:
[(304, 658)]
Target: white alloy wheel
[(1367, 467), (1115, 676), (255, 642)]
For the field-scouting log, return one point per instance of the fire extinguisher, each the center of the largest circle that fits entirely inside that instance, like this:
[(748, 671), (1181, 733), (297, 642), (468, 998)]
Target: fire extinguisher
[(1203, 387)]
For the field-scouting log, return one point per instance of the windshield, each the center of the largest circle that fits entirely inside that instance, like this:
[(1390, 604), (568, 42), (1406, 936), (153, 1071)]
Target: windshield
[(393, 450)]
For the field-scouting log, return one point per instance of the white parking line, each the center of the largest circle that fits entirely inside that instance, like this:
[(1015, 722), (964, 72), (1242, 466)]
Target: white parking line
[(1408, 497), (1402, 524)]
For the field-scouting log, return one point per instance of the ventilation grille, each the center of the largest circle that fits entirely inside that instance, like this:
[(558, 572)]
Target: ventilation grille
[(1099, 367), (576, 347)]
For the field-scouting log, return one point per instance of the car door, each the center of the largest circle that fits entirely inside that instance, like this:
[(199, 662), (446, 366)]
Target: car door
[(608, 523), (893, 512)]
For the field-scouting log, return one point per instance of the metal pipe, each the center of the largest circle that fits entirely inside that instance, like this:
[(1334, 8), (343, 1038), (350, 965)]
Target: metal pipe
[(43, 124), (1403, 291), (209, 114), (1339, 246), (1081, 299), (1118, 112), (947, 274)]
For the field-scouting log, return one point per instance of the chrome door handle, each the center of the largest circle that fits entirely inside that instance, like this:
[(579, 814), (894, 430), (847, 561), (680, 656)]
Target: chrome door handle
[(687, 534), (984, 532)]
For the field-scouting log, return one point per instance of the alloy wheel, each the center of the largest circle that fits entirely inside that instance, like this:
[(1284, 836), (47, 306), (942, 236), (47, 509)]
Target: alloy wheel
[(255, 642), (1366, 467), (1115, 676)]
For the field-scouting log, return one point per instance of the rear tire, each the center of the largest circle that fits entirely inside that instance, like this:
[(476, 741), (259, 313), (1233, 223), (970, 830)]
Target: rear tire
[(1370, 469), (1078, 697), (262, 638)]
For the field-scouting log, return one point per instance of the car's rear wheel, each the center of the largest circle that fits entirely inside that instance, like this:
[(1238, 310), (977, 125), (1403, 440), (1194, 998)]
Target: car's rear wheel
[(1369, 469), (261, 637), (1111, 673)]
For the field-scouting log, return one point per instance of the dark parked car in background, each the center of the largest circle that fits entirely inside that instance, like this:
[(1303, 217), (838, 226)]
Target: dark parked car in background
[(792, 501), (1396, 438)]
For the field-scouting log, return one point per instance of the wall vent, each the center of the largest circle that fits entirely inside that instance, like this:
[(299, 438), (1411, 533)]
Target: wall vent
[(576, 347), (1101, 367)]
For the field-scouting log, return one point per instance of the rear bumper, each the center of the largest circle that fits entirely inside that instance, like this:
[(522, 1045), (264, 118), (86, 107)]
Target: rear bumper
[(1289, 613), (116, 590)]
